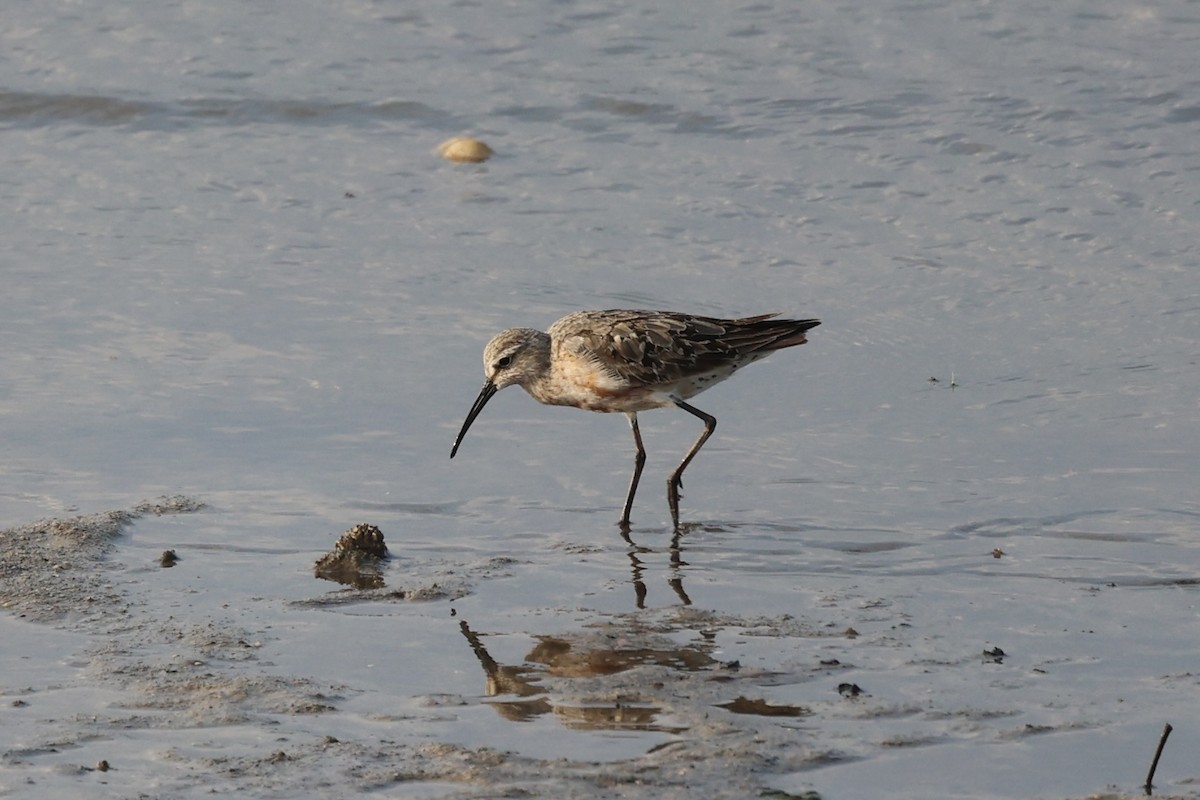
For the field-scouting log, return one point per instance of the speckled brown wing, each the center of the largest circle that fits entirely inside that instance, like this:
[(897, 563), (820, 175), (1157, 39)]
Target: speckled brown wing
[(644, 348)]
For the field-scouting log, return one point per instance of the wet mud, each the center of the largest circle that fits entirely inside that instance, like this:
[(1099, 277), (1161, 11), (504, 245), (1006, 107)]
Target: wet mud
[(357, 558), (162, 679)]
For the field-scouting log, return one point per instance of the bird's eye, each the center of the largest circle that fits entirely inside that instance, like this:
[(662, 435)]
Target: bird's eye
[(504, 361)]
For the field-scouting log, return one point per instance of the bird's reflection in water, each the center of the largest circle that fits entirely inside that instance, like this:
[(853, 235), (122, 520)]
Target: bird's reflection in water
[(520, 680), (674, 576), (585, 655)]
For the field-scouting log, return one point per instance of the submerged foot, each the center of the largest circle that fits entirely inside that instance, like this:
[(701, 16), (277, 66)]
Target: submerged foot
[(674, 484)]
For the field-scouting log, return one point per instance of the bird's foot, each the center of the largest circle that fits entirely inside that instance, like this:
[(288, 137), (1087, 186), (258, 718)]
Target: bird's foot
[(673, 487)]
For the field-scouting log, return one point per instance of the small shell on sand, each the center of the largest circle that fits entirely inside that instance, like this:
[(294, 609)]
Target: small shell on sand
[(464, 150)]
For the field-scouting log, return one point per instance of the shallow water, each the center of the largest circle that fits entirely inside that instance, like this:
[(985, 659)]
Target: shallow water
[(237, 270)]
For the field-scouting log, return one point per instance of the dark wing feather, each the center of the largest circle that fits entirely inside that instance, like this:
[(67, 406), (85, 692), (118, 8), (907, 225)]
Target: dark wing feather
[(652, 347)]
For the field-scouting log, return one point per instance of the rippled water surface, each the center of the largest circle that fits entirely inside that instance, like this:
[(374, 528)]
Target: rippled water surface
[(236, 270)]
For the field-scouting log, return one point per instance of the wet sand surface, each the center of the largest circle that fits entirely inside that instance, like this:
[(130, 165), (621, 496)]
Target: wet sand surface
[(163, 688), (947, 549)]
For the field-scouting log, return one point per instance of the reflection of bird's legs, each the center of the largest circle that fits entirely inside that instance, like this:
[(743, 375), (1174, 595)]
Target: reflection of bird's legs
[(639, 586), (676, 579)]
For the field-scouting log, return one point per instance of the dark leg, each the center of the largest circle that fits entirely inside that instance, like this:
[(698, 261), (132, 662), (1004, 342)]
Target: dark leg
[(639, 461), (676, 479)]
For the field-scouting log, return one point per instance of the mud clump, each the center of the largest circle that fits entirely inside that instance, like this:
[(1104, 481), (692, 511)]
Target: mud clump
[(356, 560)]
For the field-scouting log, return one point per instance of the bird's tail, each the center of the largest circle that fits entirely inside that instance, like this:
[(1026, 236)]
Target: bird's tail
[(766, 333)]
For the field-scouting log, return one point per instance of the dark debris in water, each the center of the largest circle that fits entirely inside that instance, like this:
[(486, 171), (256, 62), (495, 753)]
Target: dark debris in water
[(356, 559), (994, 654)]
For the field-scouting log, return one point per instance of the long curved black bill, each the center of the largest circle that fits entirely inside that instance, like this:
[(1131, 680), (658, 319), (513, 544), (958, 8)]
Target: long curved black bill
[(485, 394)]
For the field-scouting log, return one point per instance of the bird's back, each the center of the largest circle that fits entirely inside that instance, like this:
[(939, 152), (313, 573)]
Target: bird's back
[(679, 354)]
